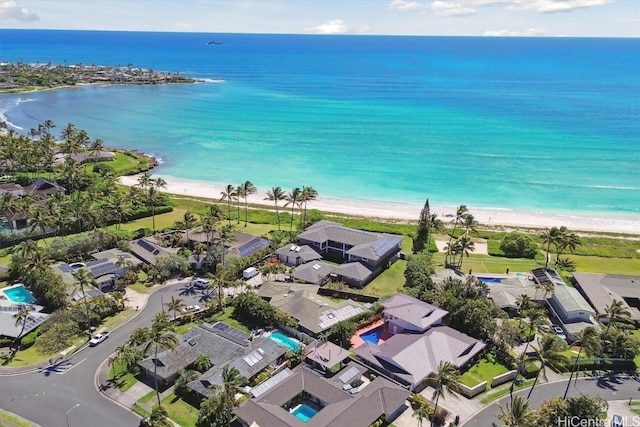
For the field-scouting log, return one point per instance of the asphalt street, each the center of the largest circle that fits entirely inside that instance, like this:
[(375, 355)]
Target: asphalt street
[(609, 387), (49, 399)]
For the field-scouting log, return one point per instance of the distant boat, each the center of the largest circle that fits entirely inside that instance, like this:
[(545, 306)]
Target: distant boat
[(213, 42)]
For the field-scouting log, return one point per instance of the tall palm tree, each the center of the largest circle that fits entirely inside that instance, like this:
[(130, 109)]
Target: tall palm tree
[(308, 194), (247, 189), (614, 312), (524, 303), (550, 237), (537, 323), (232, 384), (445, 381), (21, 320), (85, 279), (144, 180), (239, 195), (188, 221), (275, 195), (464, 247), (175, 305), (589, 342), (159, 418), (517, 414), (567, 240), (461, 212), (226, 236), (293, 199), (550, 355), (229, 194), (221, 279), (162, 335)]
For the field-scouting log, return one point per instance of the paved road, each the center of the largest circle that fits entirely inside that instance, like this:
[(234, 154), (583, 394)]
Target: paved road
[(45, 397), (610, 388)]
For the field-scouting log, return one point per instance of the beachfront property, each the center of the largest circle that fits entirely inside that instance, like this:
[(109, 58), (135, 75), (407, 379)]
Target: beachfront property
[(86, 157), (601, 290), (224, 345), (415, 343), (239, 244), (106, 267), (40, 190), (357, 256), (12, 299), (303, 398), (314, 313)]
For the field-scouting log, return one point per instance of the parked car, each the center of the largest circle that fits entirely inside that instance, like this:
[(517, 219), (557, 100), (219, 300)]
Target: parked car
[(193, 308), (98, 338), (200, 283)]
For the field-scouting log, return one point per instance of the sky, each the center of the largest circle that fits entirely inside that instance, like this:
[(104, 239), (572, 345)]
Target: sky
[(550, 18)]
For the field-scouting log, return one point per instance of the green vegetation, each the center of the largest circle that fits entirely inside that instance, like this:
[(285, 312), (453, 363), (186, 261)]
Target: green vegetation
[(180, 411), (389, 282), (121, 378), (498, 394), (19, 422), (226, 316), (485, 370), (147, 397)]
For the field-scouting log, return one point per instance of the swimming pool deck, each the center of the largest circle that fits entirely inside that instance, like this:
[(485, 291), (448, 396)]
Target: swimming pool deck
[(357, 341)]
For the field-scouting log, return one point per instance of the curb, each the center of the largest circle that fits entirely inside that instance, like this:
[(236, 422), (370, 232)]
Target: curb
[(23, 419)]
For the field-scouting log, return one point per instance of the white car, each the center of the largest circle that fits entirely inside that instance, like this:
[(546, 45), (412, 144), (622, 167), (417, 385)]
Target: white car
[(98, 338), (200, 283), (558, 331), (193, 308)]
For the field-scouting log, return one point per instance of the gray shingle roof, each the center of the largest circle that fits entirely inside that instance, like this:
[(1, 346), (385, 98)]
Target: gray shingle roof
[(306, 253), (411, 310), (414, 357), (602, 289), (313, 272), (148, 250), (570, 299)]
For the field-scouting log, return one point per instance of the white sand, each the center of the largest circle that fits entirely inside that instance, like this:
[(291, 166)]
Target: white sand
[(374, 209)]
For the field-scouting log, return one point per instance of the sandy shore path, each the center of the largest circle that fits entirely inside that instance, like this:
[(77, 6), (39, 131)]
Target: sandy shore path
[(404, 212)]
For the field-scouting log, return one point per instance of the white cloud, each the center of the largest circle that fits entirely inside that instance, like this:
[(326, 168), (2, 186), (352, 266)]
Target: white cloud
[(404, 6), (447, 8), (551, 6), (9, 9), (335, 26), (514, 33)]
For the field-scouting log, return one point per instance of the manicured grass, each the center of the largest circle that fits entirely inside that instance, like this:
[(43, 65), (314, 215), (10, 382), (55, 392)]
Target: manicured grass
[(255, 229), (484, 370), (636, 359), (225, 317), (635, 407), (184, 328), (389, 281), (505, 391), (163, 221), (123, 162), (5, 416), (141, 411), (489, 264), (593, 264), (30, 356), (121, 379), (147, 397), (180, 411)]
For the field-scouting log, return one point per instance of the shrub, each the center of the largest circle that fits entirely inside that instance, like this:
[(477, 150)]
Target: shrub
[(28, 340), (518, 245)]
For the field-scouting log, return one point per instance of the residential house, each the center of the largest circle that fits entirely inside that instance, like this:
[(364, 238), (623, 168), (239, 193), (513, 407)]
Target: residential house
[(293, 255), (601, 290), (240, 244), (9, 307), (85, 157), (313, 312), (41, 188), (148, 250), (418, 344), (325, 402), (361, 255)]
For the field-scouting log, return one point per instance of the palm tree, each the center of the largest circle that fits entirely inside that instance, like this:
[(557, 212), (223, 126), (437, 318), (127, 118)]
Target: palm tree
[(537, 323), (144, 180), (84, 279), (275, 195), (549, 354), (159, 418), (226, 235), (464, 247), (517, 414), (175, 305), (445, 381), (188, 221), (422, 412), (589, 341), (232, 384), (39, 219), (293, 199), (550, 237), (524, 303), (461, 212), (567, 240), (247, 189), (219, 281), (161, 336), (308, 194), (614, 312), (229, 194), (21, 320), (203, 363)]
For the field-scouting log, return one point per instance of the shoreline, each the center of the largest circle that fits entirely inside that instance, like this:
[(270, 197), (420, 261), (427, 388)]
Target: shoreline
[(491, 217)]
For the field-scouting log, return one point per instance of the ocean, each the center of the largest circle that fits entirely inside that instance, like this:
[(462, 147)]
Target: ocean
[(532, 124)]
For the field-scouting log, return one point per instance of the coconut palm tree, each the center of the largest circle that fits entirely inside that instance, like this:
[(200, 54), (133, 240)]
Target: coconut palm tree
[(188, 222), (229, 194), (524, 304), (461, 212), (516, 414), (550, 355), (202, 363), (144, 180), (464, 247), (550, 237), (39, 219), (445, 381), (21, 320), (175, 305), (293, 199), (247, 189), (221, 279), (308, 194), (226, 236), (589, 342), (84, 278), (567, 240), (614, 312), (159, 418), (275, 195), (162, 335), (232, 384)]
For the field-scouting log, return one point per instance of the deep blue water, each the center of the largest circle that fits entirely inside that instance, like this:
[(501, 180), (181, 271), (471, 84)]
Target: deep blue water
[(374, 335), (538, 124)]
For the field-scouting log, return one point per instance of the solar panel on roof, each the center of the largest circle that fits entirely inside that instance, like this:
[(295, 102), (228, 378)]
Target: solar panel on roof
[(146, 245), (383, 245), (349, 375), (65, 268), (262, 388)]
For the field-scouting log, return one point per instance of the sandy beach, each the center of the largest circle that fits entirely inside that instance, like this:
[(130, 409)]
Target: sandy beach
[(493, 217)]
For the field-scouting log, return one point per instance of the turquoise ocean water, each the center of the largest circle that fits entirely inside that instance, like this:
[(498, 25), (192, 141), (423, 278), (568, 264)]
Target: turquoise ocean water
[(532, 124)]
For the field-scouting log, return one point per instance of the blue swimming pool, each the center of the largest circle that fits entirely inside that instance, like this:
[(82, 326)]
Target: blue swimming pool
[(304, 412), (284, 340), (373, 336), (19, 294), (490, 280)]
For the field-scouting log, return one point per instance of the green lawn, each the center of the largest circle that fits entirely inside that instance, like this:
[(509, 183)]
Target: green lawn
[(147, 397), (5, 416), (123, 162), (489, 264), (636, 359), (389, 281), (484, 370), (593, 264), (121, 379), (180, 411), (498, 394), (225, 317), (163, 221)]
